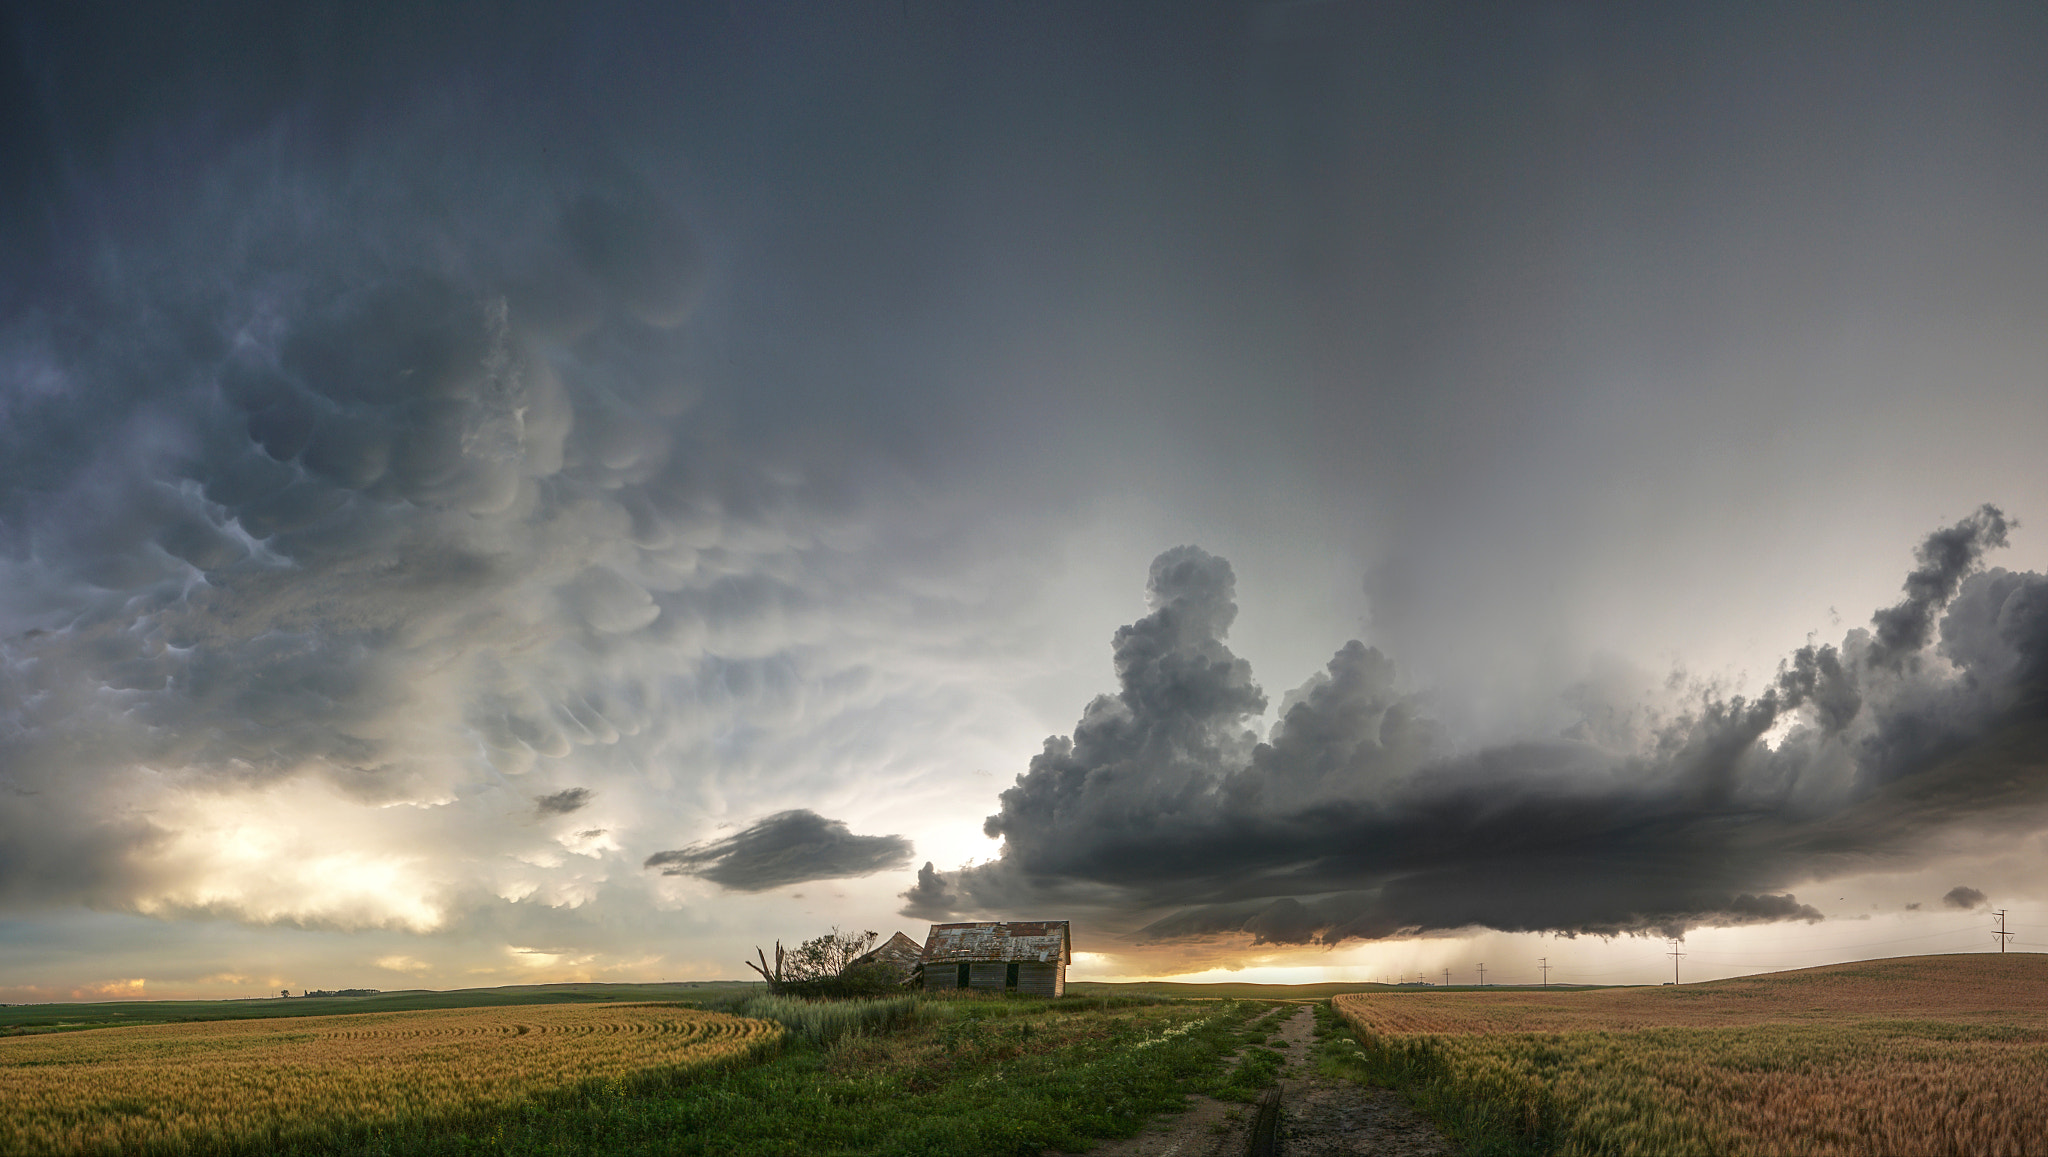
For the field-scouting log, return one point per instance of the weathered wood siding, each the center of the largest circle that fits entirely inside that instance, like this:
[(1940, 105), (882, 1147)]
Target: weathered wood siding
[(1035, 979), (1028, 957)]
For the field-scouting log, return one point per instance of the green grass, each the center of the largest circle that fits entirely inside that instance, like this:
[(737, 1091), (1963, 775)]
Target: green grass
[(956, 1076), (34, 1018), (821, 1022), (1257, 1068), (20, 1019), (1260, 1059), (906, 1076)]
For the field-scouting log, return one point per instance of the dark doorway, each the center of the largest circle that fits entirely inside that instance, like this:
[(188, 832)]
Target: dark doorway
[(1010, 975), (963, 976)]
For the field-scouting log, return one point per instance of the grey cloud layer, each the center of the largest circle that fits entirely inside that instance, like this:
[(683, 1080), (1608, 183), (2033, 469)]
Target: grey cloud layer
[(388, 474), (1353, 820), (413, 414), (791, 847)]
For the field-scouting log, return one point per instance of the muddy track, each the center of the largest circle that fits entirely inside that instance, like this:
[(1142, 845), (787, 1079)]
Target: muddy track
[(1319, 1116), (1323, 1116)]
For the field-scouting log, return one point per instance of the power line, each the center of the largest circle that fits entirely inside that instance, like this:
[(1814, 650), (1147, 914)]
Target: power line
[(2002, 934), (1482, 976), (1675, 955), (1544, 964), (1790, 959)]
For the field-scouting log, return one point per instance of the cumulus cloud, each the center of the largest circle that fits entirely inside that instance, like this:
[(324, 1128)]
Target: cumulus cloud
[(1963, 897), (1946, 557), (790, 847), (1354, 819)]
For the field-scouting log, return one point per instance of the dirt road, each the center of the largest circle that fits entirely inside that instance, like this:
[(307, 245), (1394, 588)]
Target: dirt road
[(1319, 1117)]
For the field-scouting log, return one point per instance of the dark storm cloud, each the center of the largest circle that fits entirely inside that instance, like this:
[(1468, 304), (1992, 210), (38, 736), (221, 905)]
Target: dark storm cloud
[(1945, 559), (1962, 897), (563, 802), (791, 847), (350, 432), (281, 530), (430, 405), (1352, 821)]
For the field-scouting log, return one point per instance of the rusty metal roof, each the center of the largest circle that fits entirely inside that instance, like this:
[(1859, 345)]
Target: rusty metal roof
[(1043, 940)]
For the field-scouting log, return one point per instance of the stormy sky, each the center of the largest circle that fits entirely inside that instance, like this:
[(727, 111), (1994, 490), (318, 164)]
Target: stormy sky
[(526, 492)]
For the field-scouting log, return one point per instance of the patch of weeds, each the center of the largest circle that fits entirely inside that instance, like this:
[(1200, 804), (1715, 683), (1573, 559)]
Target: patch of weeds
[(1256, 1070)]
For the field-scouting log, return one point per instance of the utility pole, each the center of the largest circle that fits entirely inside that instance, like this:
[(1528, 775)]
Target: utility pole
[(2002, 934), (1482, 976), (1675, 954), (1447, 978), (1544, 964)]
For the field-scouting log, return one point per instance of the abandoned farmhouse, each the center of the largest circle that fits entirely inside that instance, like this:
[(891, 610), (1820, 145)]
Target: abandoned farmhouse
[(1026, 957)]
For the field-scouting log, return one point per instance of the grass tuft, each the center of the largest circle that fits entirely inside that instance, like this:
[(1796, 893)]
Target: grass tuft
[(821, 1022)]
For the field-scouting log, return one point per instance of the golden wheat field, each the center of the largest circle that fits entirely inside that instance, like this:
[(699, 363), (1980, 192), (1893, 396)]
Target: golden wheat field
[(158, 1087), (1922, 1055)]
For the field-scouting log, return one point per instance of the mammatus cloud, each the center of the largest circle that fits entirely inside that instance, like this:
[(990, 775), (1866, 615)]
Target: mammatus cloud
[(398, 504), (1963, 897), (329, 519), (563, 802), (790, 847), (1352, 819)]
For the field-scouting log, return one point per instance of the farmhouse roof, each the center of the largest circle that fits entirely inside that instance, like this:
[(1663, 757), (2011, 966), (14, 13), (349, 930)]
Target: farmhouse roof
[(1042, 940), (899, 950)]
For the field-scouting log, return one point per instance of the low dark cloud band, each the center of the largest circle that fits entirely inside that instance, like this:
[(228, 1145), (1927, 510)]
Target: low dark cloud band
[(791, 847), (1352, 821)]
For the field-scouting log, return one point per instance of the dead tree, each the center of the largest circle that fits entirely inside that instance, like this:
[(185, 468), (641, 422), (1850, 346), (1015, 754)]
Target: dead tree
[(774, 978)]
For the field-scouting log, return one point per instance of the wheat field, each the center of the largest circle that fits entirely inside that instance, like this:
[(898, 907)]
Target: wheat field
[(1925, 1055), (167, 1088)]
